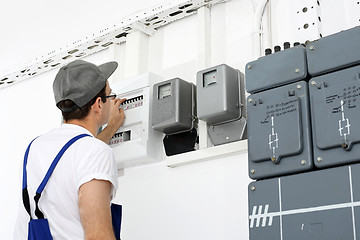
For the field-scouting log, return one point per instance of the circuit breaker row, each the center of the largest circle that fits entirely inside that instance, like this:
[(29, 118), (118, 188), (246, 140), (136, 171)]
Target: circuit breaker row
[(303, 111), (303, 141)]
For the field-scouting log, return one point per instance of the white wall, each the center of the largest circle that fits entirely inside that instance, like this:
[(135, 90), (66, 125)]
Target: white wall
[(205, 200)]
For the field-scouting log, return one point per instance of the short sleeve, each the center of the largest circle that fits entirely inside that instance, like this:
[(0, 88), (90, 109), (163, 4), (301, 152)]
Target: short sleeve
[(96, 162)]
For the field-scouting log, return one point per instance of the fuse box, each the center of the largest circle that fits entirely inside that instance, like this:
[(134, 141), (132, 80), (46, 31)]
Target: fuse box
[(135, 142), (319, 205), (276, 69), (334, 52), (335, 112), (279, 136)]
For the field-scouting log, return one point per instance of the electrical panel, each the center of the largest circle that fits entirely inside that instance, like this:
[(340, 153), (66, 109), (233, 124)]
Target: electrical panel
[(279, 136), (220, 102), (334, 52), (277, 69), (135, 142), (309, 125), (335, 111), (320, 205), (173, 107)]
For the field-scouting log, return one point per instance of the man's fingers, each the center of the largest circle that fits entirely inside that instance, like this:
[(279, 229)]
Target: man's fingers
[(118, 102), (122, 100)]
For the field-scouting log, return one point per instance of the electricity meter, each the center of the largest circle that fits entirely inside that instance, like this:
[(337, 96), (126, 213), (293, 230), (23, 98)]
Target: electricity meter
[(220, 96), (173, 113)]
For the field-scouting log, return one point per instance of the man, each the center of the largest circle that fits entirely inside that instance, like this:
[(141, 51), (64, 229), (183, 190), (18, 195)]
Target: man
[(76, 199)]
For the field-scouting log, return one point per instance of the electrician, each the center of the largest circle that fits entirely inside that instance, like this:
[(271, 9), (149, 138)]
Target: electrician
[(76, 199)]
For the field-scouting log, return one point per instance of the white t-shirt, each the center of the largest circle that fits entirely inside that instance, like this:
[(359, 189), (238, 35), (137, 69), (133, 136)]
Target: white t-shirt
[(87, 159)]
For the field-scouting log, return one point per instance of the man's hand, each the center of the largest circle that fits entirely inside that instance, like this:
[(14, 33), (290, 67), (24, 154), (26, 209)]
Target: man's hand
[(116, 120), (117, 115)]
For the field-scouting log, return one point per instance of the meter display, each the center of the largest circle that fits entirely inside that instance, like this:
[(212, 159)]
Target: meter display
[(210, 78), (164, 90)]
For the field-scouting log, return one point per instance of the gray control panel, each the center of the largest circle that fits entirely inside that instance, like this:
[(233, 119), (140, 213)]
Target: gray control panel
[(279, 136), (321, 205), (335, 111), (334, 52), (173, 107), (277, 69)]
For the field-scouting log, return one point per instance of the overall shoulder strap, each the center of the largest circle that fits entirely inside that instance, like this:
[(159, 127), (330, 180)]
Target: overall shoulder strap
[(38, 213), (25, 194)]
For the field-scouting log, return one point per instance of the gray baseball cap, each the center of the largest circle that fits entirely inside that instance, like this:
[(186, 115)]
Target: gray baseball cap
[(80, 81)]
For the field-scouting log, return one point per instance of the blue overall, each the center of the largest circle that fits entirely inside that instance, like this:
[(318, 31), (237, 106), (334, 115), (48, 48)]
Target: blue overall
[(39, 228)]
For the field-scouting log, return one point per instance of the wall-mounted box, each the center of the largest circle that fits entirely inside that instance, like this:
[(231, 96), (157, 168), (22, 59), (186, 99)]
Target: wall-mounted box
[(335, 114), (135, 142), (276, 69), (173, 108), (334, 52), (279, 131), (218, 94), (173, 113), (220, 102), (318, 205)]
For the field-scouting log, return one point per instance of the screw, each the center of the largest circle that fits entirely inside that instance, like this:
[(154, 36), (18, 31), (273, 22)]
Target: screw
[(298, 86), (250, 100), (319, 159), (313, 83), (252, 188), (273, 159), (297, 70), (248, 66), (252, 171), (303, 162), (227, 138), (312, 48)]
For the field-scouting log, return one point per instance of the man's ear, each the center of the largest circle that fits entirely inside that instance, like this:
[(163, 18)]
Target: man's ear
[(97, 106)]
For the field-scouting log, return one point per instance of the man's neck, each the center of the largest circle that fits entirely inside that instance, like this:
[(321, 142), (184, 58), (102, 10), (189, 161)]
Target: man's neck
[(85, 124)]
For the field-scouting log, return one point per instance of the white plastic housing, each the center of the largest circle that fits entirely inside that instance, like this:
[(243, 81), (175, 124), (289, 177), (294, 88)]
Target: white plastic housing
[(136, 143)]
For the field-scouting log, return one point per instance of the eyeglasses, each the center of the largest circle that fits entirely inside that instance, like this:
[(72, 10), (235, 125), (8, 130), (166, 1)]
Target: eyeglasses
[(112, 96)]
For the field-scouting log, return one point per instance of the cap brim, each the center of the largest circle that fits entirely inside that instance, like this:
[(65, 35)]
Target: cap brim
[(108, 68)]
